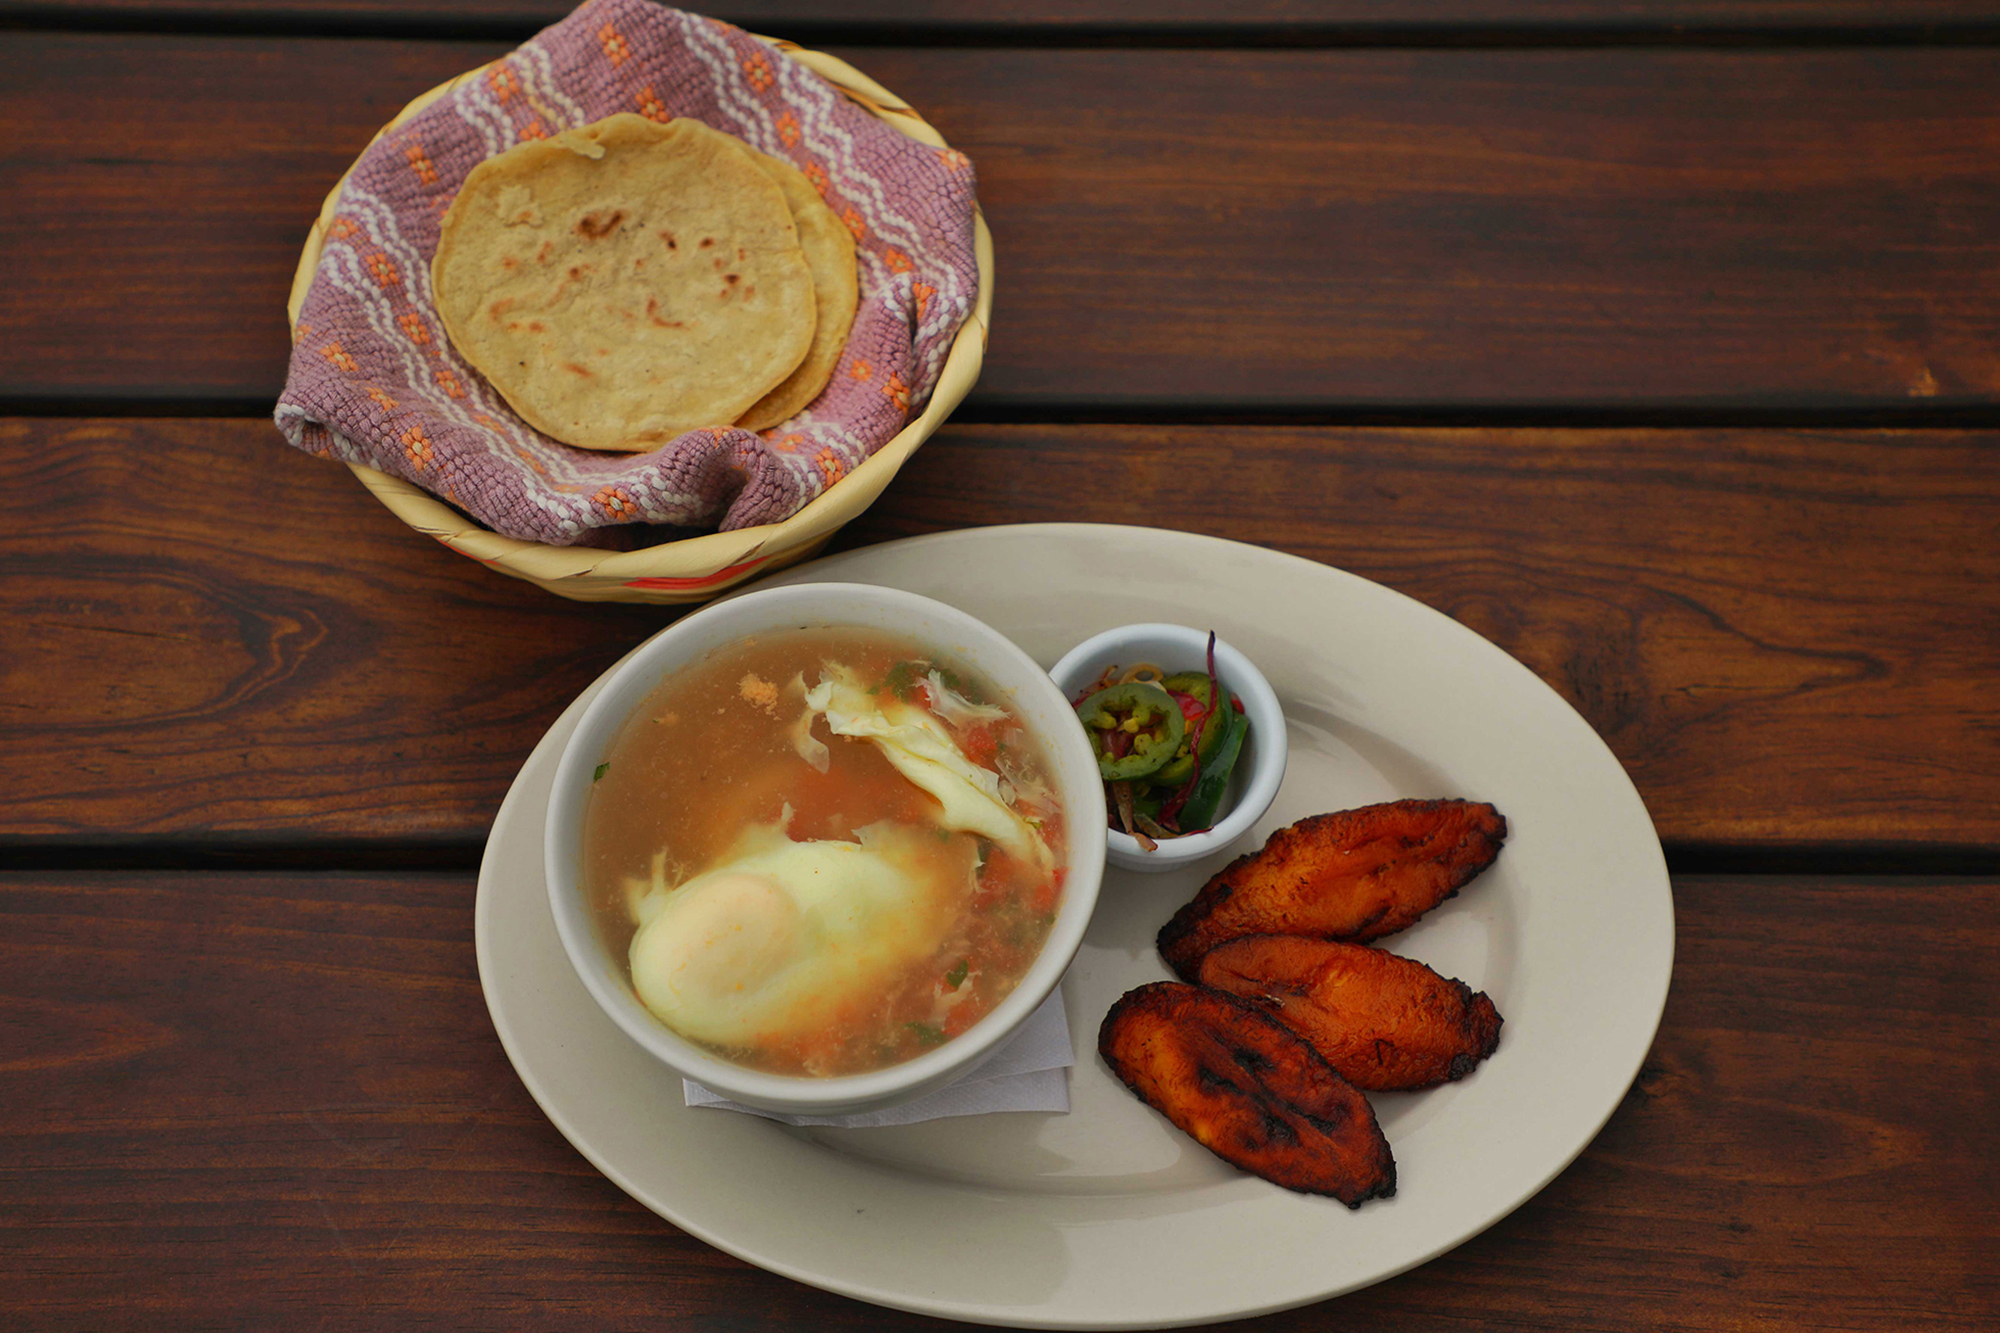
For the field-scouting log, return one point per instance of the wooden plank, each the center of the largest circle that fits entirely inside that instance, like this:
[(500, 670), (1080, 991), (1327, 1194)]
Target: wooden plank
[(975, 18), (226, 1098), (1239, 230), (1790, 639)]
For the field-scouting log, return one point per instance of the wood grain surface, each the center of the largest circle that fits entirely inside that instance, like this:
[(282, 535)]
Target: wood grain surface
[(1790, 639), (245, 1100), (1211, 19), (1332, 230)]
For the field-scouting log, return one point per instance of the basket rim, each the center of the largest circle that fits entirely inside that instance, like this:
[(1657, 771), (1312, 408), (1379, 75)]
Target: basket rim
[(699, 566)]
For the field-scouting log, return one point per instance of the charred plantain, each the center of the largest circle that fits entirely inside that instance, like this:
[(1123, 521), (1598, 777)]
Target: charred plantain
[(1386, 1023), (1355, 875), (1248, 1089)]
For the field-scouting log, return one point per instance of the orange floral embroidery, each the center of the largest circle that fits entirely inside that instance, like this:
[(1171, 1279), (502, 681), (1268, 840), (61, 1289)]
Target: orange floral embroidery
[(650, 105), (613, 44), (385, 272), (616, 502), (533, 130), (382, 400), (854, 223), (337, 354), (897, 392), (413, 325), (420, 163), (862, 371), (341, 229), (788, 444), (759, 73), (491, 423), (418, 446), (817, 175), (788, 129), (503, 83), (449, 383), (954, 159), (830, 465), (527, 456), (923, 291), (301, 333), (897, 261)]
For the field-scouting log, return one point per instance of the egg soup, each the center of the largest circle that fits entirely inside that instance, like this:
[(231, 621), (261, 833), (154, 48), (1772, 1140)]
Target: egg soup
[(823, 851)]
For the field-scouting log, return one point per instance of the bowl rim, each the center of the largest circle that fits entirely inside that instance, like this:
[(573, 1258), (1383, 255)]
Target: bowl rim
[(1266, 715), (817, 604)]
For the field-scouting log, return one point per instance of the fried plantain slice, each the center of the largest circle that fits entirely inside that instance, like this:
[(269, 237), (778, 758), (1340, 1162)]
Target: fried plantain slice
[(1386, 1023), (1248, 1089), (1354, 875)]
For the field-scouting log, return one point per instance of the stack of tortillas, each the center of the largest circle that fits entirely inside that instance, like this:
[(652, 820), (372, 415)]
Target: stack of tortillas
[(628, 281)]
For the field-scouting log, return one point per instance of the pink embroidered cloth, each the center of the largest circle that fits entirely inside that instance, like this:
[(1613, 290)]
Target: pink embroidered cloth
[(374, 378)]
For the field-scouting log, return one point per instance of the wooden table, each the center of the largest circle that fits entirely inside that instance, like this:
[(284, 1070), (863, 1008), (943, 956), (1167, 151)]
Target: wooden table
[(1656, 340)]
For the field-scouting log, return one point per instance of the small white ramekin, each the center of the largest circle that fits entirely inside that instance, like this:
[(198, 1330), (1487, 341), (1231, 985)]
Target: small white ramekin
[(932, 625), (1259, 771)]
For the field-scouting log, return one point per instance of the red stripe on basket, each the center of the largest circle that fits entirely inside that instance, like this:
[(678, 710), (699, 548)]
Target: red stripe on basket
[(719, 576), (446, 543)]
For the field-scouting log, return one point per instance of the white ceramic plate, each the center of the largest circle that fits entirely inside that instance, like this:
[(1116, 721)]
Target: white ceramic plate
[(1108, 1217)]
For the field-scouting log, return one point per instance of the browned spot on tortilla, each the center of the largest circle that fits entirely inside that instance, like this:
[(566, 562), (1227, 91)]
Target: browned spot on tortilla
[(653, 314), (536, 326), (509, 262), (596, 226), (498, 310), (707, 241), (542, 255), (668, 237), (732, 278), (574, 369), (741, 253)]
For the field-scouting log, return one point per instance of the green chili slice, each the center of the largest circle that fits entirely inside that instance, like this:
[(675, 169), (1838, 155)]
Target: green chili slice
[(1214, 725), (1206, 801), (1134, 729)]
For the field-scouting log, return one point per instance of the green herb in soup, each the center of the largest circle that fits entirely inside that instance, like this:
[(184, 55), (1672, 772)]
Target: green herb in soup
[(824, 852)]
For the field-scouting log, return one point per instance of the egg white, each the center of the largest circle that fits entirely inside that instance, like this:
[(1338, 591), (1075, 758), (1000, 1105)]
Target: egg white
[(779, 932), (923, 751)]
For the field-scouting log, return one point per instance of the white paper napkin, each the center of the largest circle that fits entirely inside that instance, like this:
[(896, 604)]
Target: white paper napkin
[(1029, 1073)]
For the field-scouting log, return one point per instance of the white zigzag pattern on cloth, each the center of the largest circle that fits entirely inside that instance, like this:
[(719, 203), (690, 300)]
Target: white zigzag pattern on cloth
[(482, 114), (540, 86), (715, 52), (477, 96)]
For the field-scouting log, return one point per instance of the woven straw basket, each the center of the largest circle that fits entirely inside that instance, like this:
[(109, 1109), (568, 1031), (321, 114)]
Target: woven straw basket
[(696, 568)]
